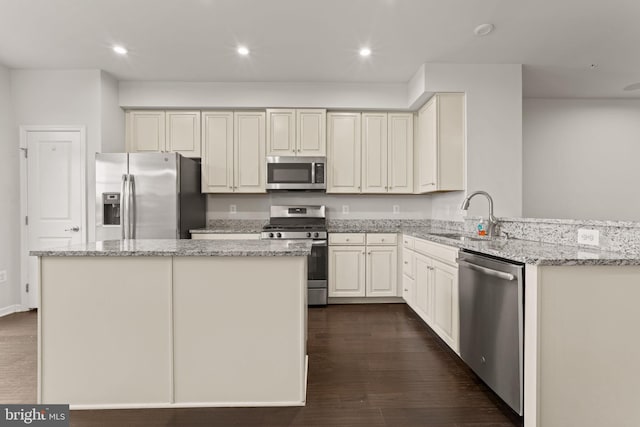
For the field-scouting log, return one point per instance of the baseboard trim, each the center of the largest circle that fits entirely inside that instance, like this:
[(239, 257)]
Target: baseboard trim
[(10, 309), (364, 300), (85, 407)]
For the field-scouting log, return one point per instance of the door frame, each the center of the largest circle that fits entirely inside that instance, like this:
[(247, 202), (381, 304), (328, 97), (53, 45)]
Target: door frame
[(24, 235)]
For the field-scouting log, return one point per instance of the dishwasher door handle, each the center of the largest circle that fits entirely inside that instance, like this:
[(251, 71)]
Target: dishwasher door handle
[(488, 271)]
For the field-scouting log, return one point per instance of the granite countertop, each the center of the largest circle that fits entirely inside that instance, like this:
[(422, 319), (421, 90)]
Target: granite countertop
[(185, 247), (527, 251)]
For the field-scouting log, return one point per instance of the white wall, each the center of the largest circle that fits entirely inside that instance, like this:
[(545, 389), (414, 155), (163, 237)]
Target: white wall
[(10, 204), (111, 115), (581, 158), (71, 97), (256, 206), (494, 135), (136, 94)]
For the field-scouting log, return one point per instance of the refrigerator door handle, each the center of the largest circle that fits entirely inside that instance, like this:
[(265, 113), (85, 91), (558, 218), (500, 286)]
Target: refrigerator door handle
[(132, 207), (124, 207)]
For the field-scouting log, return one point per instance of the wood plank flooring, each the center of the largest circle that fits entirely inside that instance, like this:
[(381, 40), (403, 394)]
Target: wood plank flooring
[(369, 365)]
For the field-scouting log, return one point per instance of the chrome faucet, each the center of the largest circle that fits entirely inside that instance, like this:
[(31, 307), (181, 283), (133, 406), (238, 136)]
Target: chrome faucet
[(493, 221)]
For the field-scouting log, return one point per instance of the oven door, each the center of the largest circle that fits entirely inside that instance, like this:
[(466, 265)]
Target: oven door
[(317, 272), (294, 173)]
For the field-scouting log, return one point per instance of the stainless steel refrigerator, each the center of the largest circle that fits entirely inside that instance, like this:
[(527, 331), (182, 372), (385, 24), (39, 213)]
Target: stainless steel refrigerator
[(147, 196)]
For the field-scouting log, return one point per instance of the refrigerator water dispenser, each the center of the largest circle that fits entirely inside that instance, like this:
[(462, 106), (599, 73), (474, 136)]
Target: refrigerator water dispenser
[(111, 208)]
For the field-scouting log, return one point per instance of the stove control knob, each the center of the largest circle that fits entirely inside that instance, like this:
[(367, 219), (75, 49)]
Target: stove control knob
[(308, 234), (278, 234), (270, 234), (316, 234)]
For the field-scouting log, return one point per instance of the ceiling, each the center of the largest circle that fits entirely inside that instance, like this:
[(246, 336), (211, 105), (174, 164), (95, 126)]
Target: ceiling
[(318, 40)]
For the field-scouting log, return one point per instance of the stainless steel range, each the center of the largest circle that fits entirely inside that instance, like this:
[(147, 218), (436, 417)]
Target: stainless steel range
[(304, 222)]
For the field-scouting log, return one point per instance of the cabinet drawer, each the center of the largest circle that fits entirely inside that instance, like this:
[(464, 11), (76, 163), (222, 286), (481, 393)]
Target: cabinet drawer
[(407, 241), (346, 238), (443, 253), (382, 239), (408, 263)]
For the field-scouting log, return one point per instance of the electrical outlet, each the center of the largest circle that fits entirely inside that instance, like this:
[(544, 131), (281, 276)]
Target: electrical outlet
[(3, 276), (396, 209), (588, 237), (345, 209), (232, 209)]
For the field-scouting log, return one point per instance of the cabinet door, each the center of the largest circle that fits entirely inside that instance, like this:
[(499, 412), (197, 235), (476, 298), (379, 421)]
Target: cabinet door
[(145, 131), (427, 147), (343, 157), (346, 271), (409, 291), (183, 132), (374, 152), (311, 137), (382, 271), (424, 288), (249, 152), (451, 134), (281, 132), (400, 160), (217, 152), (445, 303)]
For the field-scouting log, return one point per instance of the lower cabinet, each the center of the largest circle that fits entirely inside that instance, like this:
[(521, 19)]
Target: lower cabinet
[(430, 286), (363, 265)]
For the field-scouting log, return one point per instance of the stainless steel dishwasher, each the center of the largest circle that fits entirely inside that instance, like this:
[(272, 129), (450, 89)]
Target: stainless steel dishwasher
[(491, 323)]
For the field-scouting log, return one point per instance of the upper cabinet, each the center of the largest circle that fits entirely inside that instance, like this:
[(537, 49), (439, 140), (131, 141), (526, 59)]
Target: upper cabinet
[(296, 132), (163, 131), (233, 152), (387, 153), (440, 148), (344, 153)]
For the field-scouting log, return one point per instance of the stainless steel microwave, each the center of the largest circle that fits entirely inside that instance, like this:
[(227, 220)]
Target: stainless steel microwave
[(296, 173)]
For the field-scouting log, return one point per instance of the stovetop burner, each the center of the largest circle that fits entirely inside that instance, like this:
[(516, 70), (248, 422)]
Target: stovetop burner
[(293, 227), (296, 222)]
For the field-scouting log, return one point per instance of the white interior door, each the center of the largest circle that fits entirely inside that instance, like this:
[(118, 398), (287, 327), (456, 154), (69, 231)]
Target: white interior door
[(55, 193)]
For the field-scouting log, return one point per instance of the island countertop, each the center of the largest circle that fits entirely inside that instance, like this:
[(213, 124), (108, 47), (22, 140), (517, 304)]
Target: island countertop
[(181, 247)]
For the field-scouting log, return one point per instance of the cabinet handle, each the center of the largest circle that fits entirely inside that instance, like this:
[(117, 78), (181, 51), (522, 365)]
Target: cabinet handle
[(369, 253), (406, 290), (430, 183), (346, 240), (406, 262), (382, 240), (362, 253)]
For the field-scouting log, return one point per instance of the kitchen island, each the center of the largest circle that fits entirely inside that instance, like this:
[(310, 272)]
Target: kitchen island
[(173, 323)]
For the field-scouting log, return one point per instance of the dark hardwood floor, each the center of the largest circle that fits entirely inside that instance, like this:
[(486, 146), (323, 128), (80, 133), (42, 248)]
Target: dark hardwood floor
[(369, 365)]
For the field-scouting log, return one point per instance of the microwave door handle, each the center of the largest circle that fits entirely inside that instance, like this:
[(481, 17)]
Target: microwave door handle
[(123, 207), (313, 172)]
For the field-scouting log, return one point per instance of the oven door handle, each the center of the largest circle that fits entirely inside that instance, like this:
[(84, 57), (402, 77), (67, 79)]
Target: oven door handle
[(319, 243)]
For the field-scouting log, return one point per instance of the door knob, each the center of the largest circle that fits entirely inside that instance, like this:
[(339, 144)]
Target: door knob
[(75, 229)]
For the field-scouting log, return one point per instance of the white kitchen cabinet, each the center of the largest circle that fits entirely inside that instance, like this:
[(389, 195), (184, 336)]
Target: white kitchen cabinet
[(440, 144), (183, 133), (363, 265), (299, 132), (344, 153), (145, 131), (311, 132), (382, 274), (217, 152), (445, 303), (164, 131), (233, 152), (374, 152), (432, 271), (249, 152), (400, 153), (347, 271)]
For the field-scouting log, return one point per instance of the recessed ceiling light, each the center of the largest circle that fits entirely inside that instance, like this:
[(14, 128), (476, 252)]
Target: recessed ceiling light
[(365, 51), (632, 87), (483, 29), (120, 50), (243, 50)]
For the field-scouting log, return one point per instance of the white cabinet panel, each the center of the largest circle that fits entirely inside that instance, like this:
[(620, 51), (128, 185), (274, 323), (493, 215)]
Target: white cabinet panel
[(217, 152), (344, 153), (400, 159), (183, 133), (281, 132), (382, 274), (145, 131), (424, 288), (445, 313), (311, 125), (374, 152), (249, 152), (409, 291), (347, 271)]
